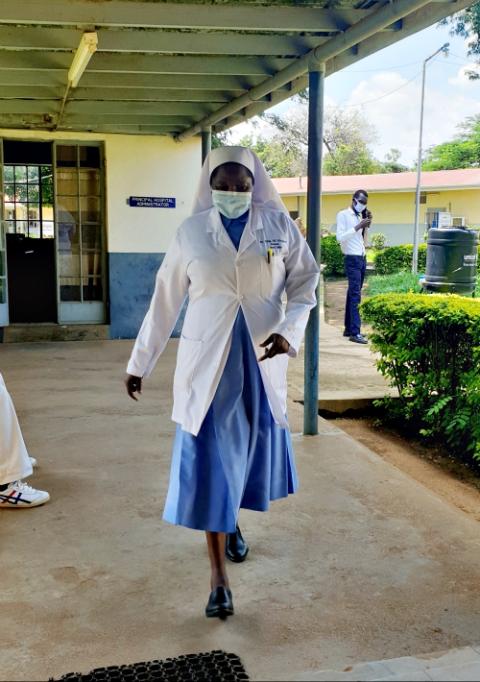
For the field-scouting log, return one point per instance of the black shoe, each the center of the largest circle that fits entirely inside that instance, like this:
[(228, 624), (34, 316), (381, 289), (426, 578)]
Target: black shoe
[(358, 338), (220, 604), (236, 549), (346, 333)]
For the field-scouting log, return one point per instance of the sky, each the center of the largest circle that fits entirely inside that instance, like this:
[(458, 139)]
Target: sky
[(386, 87)]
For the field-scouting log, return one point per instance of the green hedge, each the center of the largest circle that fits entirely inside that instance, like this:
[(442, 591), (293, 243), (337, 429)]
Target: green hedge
[(396, 258), (430, 350), (332, 256)]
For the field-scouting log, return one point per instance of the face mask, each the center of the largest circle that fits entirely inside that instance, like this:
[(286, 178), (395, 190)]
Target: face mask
[(231, 204), (359, 206)]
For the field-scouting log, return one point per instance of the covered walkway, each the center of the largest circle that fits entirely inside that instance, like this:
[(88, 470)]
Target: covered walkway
[(364, 564), (180, 69)]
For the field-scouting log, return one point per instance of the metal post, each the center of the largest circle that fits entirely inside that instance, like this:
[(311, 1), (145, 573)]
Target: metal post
[(316, 78), (416, 236), (206, 142), (419, 176)]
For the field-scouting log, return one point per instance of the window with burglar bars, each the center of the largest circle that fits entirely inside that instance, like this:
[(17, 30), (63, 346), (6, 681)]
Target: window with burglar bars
[(28, 200)]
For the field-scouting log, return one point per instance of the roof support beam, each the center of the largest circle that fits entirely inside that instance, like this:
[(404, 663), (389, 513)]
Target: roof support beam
[(85, 121), (162, 42), (414, 22), (128, 63), (385, 16), (132, 130), (105, 80), (206, 143), (170, 120), (118, 94), (124, 129), (136, 13), (157, 41), (105, 62), (137, 109), (411, 24)]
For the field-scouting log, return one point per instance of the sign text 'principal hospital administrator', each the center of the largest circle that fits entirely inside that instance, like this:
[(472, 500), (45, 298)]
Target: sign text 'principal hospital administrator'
[(152, 202)]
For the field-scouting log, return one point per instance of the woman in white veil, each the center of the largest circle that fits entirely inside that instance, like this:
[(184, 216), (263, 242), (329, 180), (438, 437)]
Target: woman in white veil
[(263, 191), (234, 258)]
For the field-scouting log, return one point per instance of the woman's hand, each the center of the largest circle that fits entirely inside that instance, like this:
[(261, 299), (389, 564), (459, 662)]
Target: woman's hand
[(278, 346), (134, 385)]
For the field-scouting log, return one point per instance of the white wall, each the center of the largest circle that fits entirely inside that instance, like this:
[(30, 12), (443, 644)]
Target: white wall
[(148, 166), (145, 166)]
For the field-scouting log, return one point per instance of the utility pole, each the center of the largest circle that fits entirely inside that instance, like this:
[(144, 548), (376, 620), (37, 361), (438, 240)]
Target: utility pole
[(416, 230)]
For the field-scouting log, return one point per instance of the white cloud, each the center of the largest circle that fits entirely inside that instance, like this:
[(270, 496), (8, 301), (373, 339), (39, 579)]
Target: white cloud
[(461, 79), (257, 126), (392, 105)]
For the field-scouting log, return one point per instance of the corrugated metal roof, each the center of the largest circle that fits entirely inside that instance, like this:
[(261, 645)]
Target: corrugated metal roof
[(168, 67), (385, 182)]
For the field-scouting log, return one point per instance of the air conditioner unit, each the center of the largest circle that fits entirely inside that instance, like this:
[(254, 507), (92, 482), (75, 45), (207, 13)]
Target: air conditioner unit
[(459, 221)]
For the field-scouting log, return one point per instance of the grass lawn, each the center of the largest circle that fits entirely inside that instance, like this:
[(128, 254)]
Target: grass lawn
[(400, 282)]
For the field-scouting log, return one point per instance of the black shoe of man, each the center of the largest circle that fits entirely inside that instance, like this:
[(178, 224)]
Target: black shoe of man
[(358, 338), (236, 548)]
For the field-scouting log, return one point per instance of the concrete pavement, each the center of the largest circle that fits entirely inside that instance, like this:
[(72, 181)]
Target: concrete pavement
[(457, 664), (364, 564)]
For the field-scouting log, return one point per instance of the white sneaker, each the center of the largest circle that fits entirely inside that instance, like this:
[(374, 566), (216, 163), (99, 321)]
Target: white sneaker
[(19, 495), (33, 462)]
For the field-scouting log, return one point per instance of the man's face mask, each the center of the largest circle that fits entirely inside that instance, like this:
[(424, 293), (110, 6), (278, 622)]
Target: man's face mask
[(231, 204)]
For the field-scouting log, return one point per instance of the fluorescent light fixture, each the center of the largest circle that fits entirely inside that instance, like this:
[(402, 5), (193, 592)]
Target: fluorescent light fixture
[(88, 45)]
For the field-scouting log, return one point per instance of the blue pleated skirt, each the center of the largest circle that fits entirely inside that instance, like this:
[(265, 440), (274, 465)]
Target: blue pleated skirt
[(240, 458)]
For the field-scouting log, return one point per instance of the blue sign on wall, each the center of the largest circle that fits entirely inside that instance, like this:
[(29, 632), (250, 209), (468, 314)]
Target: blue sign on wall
[(152, 202)]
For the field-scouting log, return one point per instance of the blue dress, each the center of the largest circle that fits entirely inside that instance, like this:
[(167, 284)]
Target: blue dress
[(240, 458)]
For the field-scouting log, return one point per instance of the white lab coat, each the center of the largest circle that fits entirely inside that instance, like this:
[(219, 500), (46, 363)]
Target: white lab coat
[(203, 263), (14, 461)]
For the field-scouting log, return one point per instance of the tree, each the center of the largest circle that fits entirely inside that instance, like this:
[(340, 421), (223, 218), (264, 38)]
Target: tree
[(347, 136), (461, 152), (350, 159), (278, 161), (221, 139), (467, 25), (391, 163)]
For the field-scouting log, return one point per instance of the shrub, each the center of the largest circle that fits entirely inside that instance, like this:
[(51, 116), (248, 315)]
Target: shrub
[(400, 282), (397, 258), (430, 350), (332, 256), (378, 241)]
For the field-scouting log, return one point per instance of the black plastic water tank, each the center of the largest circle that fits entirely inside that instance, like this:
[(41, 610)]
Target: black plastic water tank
[(451, 261)]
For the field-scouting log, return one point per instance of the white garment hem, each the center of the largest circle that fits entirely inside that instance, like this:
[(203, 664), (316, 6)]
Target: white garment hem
[(16, 476)]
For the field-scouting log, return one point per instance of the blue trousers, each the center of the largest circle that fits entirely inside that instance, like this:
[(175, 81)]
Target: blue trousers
[(355, 268)]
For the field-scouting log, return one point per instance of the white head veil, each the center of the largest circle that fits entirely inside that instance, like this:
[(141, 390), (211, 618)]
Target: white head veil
[(264, 191)]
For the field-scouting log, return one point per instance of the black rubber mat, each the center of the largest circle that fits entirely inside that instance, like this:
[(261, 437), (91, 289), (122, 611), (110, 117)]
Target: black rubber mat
[(215, 666)]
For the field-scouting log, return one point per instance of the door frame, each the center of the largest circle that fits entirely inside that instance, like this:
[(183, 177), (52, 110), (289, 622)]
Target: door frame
[(82, 312), (87, 312), (4, 307), (2, 219)]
